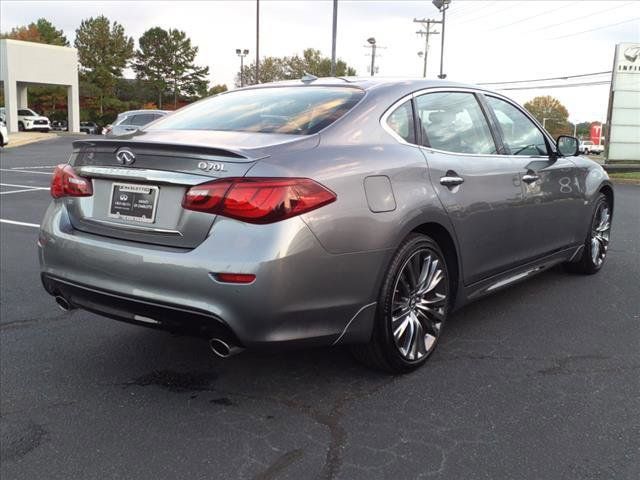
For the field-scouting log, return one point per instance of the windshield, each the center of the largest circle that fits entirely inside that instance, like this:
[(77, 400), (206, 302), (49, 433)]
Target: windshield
[(292, 110)]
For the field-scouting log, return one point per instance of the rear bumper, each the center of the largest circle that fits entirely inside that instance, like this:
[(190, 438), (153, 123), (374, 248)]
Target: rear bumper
[(302, 295), (160, 315)]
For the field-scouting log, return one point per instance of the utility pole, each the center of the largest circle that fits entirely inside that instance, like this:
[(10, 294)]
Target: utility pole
[(426, 33), (372, 42), (333, 38), (257, 41)]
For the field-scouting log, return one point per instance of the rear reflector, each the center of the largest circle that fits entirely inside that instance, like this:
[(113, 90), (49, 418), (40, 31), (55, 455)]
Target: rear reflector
[(67, 183), (234, 277), (258, 200)]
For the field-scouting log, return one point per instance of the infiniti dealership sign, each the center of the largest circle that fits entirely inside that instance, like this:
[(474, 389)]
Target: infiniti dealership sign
[(624, 105)]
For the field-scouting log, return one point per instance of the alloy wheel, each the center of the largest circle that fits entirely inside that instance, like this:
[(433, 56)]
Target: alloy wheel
[(419, 304), (600, 234)]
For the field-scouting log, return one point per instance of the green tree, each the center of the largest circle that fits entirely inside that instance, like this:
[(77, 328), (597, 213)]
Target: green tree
[(40, 31), (216, 89), (50, 34), (151, 60), (557, 115), (104, 51), (287, 68)]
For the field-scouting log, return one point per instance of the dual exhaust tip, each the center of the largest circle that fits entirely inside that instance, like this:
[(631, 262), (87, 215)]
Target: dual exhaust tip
[(218, 346), (64, 304)]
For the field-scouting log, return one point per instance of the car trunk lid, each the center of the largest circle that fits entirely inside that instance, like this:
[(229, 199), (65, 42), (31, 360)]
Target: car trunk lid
[(138, 194)]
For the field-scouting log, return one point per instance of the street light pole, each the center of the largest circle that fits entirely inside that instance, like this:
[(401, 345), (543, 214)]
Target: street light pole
[(334, 34), (442, 5), (372, 42), (242, 54), (257, 41)]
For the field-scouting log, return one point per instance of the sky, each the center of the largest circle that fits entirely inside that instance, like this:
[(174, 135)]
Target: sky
[(485, 41)]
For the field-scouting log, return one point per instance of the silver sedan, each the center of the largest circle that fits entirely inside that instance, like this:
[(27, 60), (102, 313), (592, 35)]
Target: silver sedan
[(321, 212)]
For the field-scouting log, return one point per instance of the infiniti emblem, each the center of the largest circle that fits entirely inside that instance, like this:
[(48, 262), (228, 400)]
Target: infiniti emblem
[(124, 156)]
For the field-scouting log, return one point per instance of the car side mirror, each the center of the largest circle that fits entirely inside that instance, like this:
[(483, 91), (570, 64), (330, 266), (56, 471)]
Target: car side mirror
[(567, 146)]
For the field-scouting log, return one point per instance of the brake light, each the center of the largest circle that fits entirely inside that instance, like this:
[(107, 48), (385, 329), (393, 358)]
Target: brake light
[(67, 183), (258, 200)]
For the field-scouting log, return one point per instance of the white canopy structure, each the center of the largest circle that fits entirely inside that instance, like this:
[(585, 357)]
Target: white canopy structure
[(26, 63)]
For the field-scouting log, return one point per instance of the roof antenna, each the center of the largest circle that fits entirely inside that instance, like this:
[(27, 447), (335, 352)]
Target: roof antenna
[(308, 78)]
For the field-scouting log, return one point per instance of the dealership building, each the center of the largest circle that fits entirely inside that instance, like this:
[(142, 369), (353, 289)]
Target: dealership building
[(25, 64), (623, 144)]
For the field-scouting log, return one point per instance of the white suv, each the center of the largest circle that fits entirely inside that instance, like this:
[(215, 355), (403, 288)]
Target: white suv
[(30, 120)]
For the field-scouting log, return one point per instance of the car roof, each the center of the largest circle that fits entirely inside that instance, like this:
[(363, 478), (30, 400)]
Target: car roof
[(397, 85), (129, 112)]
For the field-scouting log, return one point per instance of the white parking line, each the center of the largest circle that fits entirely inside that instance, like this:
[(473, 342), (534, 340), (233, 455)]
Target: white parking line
[(33, 168), (22, 191), (32, 187), (23, 224), (24, 171)]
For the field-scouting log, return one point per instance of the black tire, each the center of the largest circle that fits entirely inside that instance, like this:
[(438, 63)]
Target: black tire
[(382, 352), (20, 127), (590, 262)]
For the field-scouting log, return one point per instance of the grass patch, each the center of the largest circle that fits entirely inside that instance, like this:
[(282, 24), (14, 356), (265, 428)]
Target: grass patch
[(625, 175)]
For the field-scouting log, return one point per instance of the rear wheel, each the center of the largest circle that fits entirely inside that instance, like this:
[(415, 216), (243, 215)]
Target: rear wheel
[(597, 242), (412, 308)]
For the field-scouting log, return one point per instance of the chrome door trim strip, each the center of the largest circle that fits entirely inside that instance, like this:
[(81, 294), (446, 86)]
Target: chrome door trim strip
[(137, 228)]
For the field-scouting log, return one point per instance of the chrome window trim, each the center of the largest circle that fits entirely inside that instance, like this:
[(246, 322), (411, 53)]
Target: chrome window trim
[(142, 174), (394, 106)]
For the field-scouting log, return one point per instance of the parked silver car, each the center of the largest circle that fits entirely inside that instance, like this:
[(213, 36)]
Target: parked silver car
[(128, 122), (322, 212)]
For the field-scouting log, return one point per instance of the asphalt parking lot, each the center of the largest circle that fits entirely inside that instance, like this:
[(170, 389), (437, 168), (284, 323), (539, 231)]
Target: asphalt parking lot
[(541, 381)]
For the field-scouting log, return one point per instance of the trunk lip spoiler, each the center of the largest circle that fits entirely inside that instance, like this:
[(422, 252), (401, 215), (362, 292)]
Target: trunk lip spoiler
[(166, 149)]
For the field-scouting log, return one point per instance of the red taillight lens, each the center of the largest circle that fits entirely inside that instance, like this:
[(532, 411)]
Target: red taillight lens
[(235, 277), (67, 183), (258, 200)]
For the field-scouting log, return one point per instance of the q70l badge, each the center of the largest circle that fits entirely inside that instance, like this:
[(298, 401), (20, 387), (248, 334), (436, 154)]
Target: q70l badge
[(211, 166)]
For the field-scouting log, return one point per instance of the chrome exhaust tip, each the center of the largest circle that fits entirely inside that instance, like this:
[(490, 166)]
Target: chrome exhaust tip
[(63, 303), (222, 349)]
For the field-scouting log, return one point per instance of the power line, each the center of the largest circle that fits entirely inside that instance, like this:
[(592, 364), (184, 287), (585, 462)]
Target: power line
[(637, 19), (584, 84), (467, 20), (545, 79), (574, 19), (546, 12)]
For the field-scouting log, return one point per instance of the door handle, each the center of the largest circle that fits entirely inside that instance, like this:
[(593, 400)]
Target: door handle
[(530, 178), (451, 180)]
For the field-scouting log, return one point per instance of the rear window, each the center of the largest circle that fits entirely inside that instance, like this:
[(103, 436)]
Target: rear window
[(291, 110)]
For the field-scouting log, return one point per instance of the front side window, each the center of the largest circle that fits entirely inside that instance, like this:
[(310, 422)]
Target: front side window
[(27, 113), (401, 122), (292, 110), (454, 122), (520, 135)]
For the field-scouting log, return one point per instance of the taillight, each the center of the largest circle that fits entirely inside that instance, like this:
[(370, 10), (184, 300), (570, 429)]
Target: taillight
[(67, 183), (258, 200)]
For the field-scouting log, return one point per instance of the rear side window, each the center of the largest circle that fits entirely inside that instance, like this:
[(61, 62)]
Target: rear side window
[(142, 119), (520, 134), (26, 113), (292, 110), (454, 122), (401, 122)]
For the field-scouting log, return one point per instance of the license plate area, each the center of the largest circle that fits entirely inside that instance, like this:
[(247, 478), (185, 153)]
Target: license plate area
[(133, 202)]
